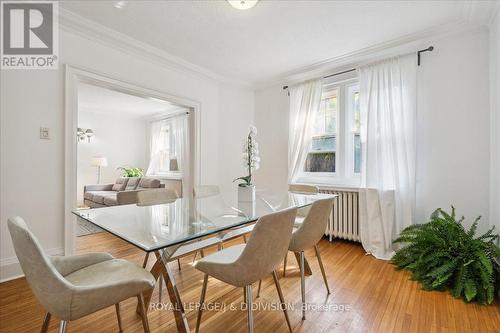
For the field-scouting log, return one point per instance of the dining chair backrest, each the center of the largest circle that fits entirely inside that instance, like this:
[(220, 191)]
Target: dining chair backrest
[(204, 191), (156, 196), (313, 227), (303, 188), (48, 285), (267, 245)]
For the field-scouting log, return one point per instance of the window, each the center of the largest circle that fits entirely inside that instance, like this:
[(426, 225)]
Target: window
[(166, 141), (169, 144), (322, 155), (335, 153), (162, 147)]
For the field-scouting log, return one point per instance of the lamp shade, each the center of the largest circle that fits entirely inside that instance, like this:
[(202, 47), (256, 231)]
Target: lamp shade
[(99, 161), (174, 165)]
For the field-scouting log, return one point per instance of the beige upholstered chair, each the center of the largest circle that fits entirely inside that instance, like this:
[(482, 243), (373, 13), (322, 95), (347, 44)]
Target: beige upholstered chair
[(244, 264), (206, 191), (302, 212), (74, 286), (308, 235), (156, 197), (303, 188), (163, 196)]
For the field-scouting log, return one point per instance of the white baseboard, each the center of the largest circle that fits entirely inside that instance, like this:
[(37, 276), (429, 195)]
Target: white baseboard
[(10, 268)]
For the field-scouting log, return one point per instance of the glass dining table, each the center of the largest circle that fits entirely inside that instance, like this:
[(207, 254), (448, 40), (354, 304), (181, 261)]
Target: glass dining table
[(168, 229)]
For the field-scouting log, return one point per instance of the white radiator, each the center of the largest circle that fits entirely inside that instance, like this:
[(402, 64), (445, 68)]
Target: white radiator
[(344, 220)]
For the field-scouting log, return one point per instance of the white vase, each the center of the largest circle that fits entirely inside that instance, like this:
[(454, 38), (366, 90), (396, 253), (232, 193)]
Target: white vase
[(246, 193), (248, 208)]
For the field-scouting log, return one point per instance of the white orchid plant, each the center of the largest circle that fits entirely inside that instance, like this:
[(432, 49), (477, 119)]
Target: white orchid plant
[(251, 158)]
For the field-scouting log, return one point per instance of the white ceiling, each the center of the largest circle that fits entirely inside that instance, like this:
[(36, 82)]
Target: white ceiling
[(271, 39), (106, 101)]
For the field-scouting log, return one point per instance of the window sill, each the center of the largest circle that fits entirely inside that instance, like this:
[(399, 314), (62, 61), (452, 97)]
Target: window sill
[(331, 182)]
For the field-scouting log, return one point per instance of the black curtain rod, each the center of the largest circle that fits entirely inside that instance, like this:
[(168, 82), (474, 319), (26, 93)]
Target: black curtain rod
[(330, 75), (430, 48)]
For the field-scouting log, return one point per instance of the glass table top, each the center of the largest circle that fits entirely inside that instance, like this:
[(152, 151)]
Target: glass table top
[(159, 226)]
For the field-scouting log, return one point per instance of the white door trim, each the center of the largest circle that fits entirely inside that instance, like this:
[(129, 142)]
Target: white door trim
[(74, 76)]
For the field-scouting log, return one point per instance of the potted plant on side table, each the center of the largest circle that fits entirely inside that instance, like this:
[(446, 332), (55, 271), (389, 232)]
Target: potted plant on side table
[(131, 172)]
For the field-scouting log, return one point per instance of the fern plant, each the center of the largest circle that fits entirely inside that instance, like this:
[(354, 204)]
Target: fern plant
[(443, 255)]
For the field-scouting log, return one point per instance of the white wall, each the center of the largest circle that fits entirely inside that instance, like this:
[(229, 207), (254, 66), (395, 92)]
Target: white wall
[(32, 170), (495, 121), (271, 119), (122, 140), (453, 128), (236, 115)]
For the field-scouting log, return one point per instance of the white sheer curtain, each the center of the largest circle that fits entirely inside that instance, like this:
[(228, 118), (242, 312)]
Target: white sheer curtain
[(388, 122), (156, 146), (171, 144), (304, 104), (180, 130)]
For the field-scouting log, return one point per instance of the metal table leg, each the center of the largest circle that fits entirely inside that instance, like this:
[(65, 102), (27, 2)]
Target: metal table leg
[(161, 268)]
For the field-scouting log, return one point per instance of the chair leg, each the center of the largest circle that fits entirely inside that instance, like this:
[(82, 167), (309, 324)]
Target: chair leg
[(202, 301), (179, 263), (62, 326), (219, 246), (46, 322), (282, 300), (258, 289), (145, 262), (248, 298), (202, 253), (284, 264), (303, 285), (318, 255), (144, 314), (245, 238), (118, 317), (195, 255)]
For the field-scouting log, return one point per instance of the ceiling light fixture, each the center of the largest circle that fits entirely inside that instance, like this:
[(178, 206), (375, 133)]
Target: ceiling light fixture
[(119, 4), (242, 4)]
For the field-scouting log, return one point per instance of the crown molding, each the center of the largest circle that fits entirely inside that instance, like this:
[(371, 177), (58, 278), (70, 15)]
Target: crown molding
[(76, 24), (480, 12), (353, 59), (472, 16)]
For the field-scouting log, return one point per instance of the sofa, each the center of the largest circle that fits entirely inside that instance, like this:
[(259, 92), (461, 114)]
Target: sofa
[(122, 192)]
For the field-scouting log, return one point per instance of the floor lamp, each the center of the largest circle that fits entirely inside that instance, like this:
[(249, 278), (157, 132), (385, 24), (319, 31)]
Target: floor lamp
[(99, 162)]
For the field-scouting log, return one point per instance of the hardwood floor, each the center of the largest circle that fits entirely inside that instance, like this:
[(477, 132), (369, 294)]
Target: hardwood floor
[(374, 296)]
